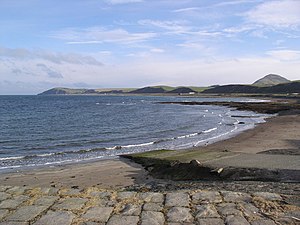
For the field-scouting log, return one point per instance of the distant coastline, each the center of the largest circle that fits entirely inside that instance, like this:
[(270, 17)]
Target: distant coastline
[(270, 84)]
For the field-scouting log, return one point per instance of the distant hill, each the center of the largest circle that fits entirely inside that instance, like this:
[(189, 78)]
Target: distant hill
[(270, 80), (64, 91), (74, 91), (271, 83), (181, 90), (291, 87), (148, 90)]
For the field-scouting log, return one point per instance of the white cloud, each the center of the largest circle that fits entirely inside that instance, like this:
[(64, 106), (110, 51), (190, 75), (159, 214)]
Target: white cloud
[(285, 54), (116, 2), (156, 69), (95, 35), (176, 26), (54, 57), (157, 50), (278, 14)]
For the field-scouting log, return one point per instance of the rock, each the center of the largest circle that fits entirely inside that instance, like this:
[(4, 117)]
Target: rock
[(152, 218), (100, 214), (177, 199), (56, 218), (207, 197), (180, 215), (195, 163), (206, 211), (123, 220), (236, 220)]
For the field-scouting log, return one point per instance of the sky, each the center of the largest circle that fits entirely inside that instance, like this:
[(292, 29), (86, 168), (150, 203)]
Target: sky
[(136, 43)]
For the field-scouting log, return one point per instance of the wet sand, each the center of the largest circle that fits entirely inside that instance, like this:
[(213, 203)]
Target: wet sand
[(282, 132), (115, 173)]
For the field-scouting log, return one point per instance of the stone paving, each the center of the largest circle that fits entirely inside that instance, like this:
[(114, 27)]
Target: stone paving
[(92, 206)]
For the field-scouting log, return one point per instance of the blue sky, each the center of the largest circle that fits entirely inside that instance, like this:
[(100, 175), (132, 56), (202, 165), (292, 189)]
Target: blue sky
[(134, 43)]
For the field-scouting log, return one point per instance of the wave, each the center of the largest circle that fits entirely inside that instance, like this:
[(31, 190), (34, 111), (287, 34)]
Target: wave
[(215, 137), (210, 130), (131, 146), (12, 158), (188, 135)]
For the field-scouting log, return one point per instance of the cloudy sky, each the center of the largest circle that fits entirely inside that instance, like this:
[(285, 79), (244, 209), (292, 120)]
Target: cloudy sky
[(134, 43)]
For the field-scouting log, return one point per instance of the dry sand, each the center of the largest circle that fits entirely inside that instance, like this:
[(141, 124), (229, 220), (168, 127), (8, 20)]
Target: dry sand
[(281, 132)]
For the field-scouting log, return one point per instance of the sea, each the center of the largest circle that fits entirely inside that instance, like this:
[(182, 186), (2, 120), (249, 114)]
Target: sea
[(53, 130)]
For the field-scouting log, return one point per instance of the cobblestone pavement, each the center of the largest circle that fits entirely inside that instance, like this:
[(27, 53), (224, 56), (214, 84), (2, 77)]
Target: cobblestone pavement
[(91, 206)]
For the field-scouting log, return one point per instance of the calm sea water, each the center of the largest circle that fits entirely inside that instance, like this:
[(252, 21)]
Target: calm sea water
[(45, 130)]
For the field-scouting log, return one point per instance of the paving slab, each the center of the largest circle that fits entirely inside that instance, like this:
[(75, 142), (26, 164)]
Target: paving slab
[(152, 218), (11, 203), (177, 199), (236, 220), (151, 197), (207, 197), (231, 196), (131, 210), (268, 196), (99, 214), (126, 195), (56, 218), (152, 207), (46, 200), (17, 190), (70, 203), (3, 213), (123, 220), (206, 211), (226, 209), (210, 221), (180, 215), (4, 196), (263, 222), (26, 213)]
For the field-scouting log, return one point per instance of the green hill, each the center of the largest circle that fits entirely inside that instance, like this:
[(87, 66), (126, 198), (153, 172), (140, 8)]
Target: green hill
[(270, 80), (291, 87)]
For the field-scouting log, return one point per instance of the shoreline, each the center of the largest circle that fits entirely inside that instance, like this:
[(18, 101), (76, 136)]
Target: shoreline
[(124, 173)]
